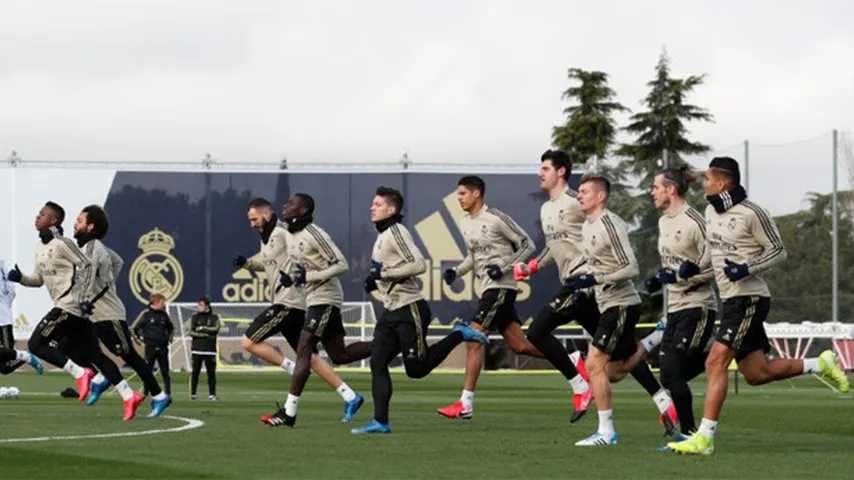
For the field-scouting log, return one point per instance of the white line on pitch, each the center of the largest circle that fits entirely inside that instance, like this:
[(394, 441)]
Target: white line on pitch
[(191, 423)]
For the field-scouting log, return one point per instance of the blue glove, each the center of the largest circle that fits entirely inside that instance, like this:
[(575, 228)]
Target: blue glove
[(299, 275), (494, 272), (579, 282), (15, 275), (87, 308), (239, 261), (665, 275), (449, 276), (370, 285), (735, 271), (376, 270), (688, 269), (652, 284), (285, 280)]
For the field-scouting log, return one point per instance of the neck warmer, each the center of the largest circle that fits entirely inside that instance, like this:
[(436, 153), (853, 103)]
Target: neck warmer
[(728, 199), (298, 223), (385, 223), (268, 229)]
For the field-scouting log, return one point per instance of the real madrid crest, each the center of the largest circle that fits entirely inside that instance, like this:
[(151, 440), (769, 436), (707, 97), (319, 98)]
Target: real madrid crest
[(156, 270)]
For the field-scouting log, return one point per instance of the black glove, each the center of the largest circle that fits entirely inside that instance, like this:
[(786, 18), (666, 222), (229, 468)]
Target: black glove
[(285, 280), (735, 271), (494, 272), (578, 282), (688, 269), (375, 272), (370, 285), (652, 284), (665, 275), (87, 307), (239, 261), (299, 275), (15, 275), (47, 234), (449, 276)]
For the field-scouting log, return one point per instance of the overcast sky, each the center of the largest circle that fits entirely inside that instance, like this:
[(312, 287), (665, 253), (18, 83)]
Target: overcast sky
[(446, 81)]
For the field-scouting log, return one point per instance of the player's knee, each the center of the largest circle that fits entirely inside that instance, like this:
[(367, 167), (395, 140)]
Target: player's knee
[(716, 361), (246, 344), (414, 370)]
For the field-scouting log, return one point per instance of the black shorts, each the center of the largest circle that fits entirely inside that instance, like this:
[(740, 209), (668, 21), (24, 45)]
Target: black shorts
[(405, 330), (7, 337), (688, 331), (324, 322), (497, 309), (742, 327), (567, 306), (115, 335), (615, 334), (277, 319), (58, 325)]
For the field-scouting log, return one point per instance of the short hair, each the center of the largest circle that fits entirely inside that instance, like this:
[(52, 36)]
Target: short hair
[(392, 196), (603, 182), (259, 203), (559, 159), (58, 211), (156, 297), (680, 177), (726, 167), (97, 217), (307, 201), (206, 300), (473, 182)]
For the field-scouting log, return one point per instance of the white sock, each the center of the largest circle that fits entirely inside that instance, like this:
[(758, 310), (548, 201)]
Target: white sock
[(662, 400), (99, 378), (75, 370), (160, 396), (22, 356), (124, 390), (468, 400), (288, 365), (652, 340), (291, 404), (346, 392), (708, 428), (574, 357), (811, 365), (578, 384), (606, 423)]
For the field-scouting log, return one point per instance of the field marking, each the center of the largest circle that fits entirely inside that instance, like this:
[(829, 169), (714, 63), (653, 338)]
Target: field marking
[(190, 424)]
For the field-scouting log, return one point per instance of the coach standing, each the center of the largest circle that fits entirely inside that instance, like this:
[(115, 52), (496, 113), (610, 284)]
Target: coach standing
[(155, 329)]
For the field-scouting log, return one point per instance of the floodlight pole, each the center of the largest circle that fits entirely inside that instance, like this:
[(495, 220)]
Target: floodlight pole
[(835, 314)]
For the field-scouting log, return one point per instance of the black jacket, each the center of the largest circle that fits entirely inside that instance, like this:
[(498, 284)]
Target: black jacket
[(154, 327), (204, 328)]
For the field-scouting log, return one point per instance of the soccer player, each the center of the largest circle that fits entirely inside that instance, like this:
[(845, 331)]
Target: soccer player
[(68, 274), (10, 358), (286, 315), (610, 268), (686, 271), (494, 244), (154, 327), (204, 328), (395, 263), (109, 316), (744, 242), (317, 264)]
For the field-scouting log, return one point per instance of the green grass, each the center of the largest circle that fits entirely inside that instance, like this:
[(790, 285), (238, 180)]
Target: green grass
[(792, 429)]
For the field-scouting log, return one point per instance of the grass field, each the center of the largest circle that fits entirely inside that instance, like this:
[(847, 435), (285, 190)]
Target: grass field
[(793, 429)]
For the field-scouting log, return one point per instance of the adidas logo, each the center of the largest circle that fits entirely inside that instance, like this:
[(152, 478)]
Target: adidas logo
[(440, 246), (247, 287)]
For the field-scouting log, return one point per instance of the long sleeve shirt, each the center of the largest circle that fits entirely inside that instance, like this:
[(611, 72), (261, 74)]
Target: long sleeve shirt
[(611, 260), (66, 272), (272, 258), (154, 327), (746, 234), (313, 249), (562, 219), (682, 237), (7, 294), (402, 262), (107, 264), (204, 328), (493, 238)]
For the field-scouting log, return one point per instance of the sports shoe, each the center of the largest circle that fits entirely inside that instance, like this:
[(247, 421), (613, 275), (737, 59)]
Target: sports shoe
[(96, 389), (212, 397), (374, 426), (580, 402), (597, 440), (279, 418), (83, 383), (670, 420), (158, 406), (36, 364), (677, 437), (192, 396), (456, 410), (130, 406), (351, 407), (696, 444), (470, 334), (829, 369)]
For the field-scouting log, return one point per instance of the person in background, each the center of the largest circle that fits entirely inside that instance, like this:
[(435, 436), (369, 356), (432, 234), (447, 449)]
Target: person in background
[(204, 328), (154, 328)]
